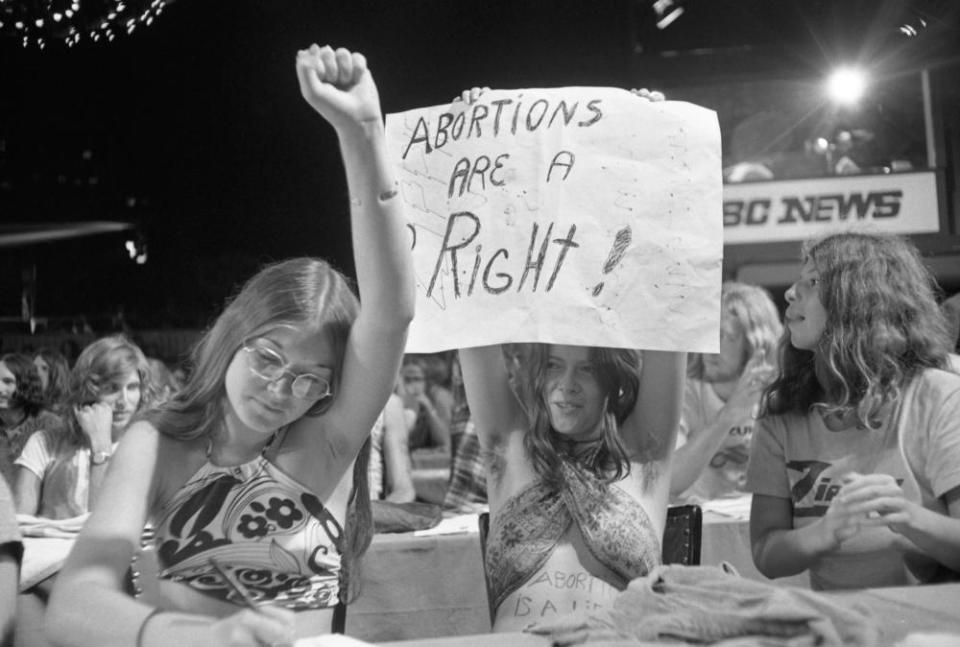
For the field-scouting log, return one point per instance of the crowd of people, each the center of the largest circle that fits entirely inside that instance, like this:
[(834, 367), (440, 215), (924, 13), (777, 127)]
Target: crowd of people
[(842, 420)]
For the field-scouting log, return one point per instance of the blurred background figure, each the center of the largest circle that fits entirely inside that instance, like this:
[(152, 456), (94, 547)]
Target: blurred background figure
[(389, 469), (722, 397), (54, 374), (165, 382), (21, 409), (467, 490), (427, 402), (59, 471)]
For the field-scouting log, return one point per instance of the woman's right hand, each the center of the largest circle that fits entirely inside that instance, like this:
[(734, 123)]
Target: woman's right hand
[(265, 625), (471, 96), (96, 423), (338, 85)]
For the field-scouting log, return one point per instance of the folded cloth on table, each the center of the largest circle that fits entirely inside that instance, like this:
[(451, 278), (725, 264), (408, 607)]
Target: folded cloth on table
[(31, 526), (705, 604)]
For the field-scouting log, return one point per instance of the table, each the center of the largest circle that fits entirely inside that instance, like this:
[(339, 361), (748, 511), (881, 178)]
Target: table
[(899, 612), (416, 587)]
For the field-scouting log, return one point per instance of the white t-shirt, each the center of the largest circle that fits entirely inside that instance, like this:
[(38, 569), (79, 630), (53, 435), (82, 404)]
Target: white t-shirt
[(726, 473), (800, 459), (65, 480)]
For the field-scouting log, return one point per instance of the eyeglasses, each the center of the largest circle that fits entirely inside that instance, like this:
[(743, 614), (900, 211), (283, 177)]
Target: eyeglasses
[(267, 364)]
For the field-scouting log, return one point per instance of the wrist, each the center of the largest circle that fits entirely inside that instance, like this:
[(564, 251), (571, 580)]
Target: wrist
[(100, 457)]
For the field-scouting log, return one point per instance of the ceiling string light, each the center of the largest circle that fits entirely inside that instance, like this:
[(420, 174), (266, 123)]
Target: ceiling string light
[(38, 23)]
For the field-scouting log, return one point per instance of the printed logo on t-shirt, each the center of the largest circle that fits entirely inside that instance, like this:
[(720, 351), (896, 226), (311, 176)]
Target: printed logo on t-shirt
[(813, 491)]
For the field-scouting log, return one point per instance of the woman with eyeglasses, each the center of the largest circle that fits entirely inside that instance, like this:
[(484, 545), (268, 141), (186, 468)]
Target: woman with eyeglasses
[(252, 479)]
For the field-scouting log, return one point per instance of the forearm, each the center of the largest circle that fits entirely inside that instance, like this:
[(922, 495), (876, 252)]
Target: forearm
[(660, 398), (97, 474), (937, 535), (782, 552), (692, 458), (439, 428), (380, 243), (399, 480), (77, 611)]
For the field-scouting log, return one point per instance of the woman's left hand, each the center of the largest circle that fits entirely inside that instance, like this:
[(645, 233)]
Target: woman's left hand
[(880, 499), (649, 95), (338, 85)]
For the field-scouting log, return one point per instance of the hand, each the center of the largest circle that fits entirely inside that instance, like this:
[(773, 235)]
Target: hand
[(471, 96), (96, 423), (265, 625), (649, 95), (879, 499), (338, 85), (756, 376)]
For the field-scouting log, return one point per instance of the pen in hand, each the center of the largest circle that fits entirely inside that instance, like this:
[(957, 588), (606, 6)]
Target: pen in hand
[(235, 585)]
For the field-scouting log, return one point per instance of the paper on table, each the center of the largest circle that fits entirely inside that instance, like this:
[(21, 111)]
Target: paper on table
[(31, 526), (451, 526), (331, 640), (737, 507), (42, 557)]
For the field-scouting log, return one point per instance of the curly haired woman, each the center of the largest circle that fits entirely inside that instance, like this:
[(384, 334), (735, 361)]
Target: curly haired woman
[(855, 467)]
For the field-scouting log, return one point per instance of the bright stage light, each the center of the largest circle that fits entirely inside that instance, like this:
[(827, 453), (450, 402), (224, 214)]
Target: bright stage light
[(846, 85)]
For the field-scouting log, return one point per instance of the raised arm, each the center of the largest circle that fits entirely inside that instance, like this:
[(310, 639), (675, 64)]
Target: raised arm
[(494, 407), (338, 85), (650, 432)]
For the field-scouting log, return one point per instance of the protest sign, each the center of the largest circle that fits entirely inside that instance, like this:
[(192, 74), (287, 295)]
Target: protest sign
[(571, 215)]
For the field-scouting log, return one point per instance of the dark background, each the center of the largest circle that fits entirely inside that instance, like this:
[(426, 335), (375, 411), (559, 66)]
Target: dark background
[(193, 128)]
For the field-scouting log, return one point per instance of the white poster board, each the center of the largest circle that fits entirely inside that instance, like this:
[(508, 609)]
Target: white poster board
[(571, 215)]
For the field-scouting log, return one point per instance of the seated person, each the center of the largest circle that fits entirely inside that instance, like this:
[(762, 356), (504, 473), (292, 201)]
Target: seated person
[(855, 466), (60, 470), (577, 472), (722, 397), (22, 409), (54, 375), (255, 471), (427, 409)]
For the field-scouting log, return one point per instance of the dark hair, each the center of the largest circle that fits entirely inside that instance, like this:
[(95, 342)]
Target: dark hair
[(618, 372), (883, 327), (58, 382), (29, 393)]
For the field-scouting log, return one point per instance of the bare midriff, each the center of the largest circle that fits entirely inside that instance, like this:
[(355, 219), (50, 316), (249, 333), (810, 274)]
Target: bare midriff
[(561, 587)]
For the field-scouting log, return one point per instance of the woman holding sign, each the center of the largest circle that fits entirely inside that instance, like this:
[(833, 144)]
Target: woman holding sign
[(253, 477), (577, 451), (577, 473)]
